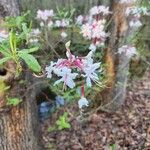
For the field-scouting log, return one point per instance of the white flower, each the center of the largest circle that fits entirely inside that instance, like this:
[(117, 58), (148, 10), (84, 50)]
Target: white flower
[(57, 23), (99, 9), (64, 23), (135, 23), (42, 24), (104, 10), (50, 24), (44, 15), (67, 77), (50, 69), (92, 47), (127, 1), (128, 50), (49, 13), (94, 10), (35, 40), (136, 11), (36, 32), (79, 20), (90, 71), (83, 102), (41, 15), (64, 35)]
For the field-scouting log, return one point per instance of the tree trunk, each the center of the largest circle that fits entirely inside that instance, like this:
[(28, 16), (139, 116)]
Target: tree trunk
[(9, 8), (18, 125), (112, 97)]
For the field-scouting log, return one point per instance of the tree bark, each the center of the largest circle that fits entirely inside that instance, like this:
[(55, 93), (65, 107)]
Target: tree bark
[(19, 124), (112, 97), (9, 8)]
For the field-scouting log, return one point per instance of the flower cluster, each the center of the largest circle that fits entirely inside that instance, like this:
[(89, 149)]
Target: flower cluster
[(129, 51), (96, 10), (45, 14), (135, 15), (46, 18), (94, 28), (33, 36), (69, 69), (62, 24)]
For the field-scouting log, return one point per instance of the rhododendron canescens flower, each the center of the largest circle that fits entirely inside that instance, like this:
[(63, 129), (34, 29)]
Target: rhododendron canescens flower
[(83, 102), (128, 50), (67, 77)]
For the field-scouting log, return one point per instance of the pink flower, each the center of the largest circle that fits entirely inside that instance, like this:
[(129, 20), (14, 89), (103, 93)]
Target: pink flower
[(86, 31)]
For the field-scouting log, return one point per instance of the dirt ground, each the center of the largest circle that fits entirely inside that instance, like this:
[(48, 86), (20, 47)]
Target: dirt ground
[(126, 129)]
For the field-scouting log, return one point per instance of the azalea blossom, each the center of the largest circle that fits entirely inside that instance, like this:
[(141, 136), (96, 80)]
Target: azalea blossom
[(79, 20), (44, 14), (135, 14), (64, 35), (67, 77), (35, 32), (50, 69), (62, 23), (86, 30), (99, 9), (104, 10), (94, 28), (34, 40), (67, 70), (129, 51), (83, 102), (50, 24), (49, 13), (92, 47), (42, 24), (127, 1), (90, 72), (136, 11), (135, 23), (57, 23)]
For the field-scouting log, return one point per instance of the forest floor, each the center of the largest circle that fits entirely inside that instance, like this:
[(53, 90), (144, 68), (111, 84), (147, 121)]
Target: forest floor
[(126, 129)]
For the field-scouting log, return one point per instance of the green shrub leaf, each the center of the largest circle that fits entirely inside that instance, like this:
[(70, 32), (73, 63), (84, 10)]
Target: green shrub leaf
[(30, 61), (31, 50), (3, 60)]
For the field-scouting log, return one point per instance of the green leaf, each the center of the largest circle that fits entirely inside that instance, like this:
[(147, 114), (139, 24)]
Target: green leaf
[(4, 51), (30, 61), (112, 147), (31, 50), (12, 41), (13, 101), (62, 122), (3, 60)]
